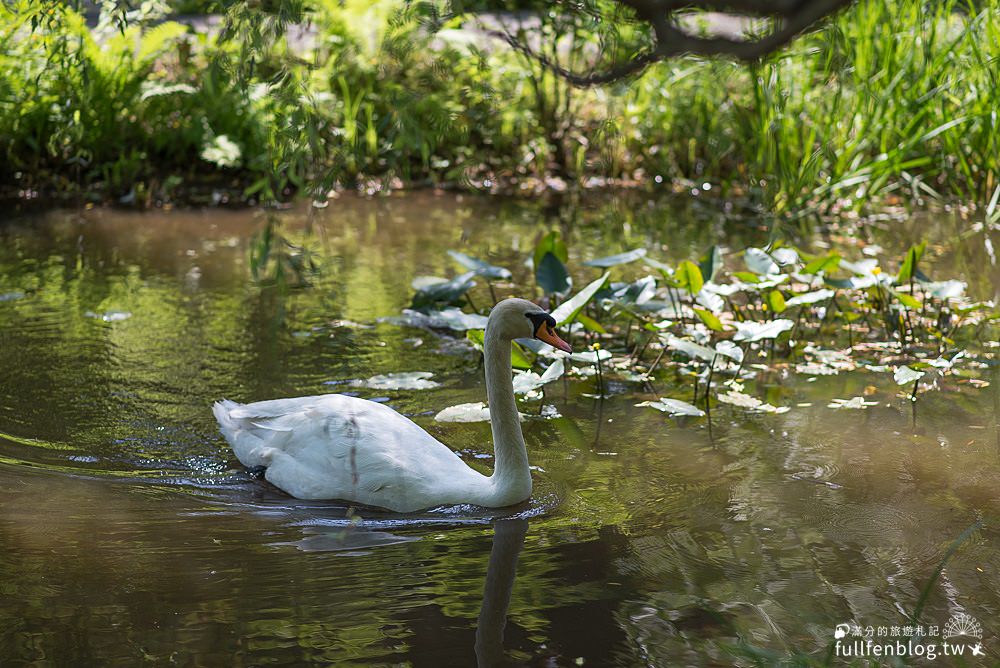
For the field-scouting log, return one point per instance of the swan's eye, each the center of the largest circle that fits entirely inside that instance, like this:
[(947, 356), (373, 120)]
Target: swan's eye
[(538, 319)]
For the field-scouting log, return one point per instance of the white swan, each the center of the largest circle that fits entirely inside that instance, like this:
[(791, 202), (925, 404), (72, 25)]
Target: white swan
[(337, 447)]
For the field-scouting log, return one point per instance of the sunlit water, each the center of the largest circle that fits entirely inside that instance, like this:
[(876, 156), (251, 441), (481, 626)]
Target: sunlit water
[(129, 534)]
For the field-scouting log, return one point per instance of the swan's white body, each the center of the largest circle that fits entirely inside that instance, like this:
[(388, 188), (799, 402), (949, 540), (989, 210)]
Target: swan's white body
[(337, 447)]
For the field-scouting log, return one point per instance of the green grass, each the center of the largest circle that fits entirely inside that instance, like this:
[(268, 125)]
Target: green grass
[(892, 102)]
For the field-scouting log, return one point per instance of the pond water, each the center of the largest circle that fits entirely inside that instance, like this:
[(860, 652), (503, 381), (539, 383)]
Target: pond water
[(130, 535)]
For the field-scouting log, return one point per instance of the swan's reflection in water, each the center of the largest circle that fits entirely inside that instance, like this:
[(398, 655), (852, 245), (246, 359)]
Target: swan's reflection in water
[(501, 570), (508, 539)]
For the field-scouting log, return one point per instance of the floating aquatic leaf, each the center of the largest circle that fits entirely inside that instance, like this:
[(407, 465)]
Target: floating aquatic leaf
[(674, 407), (862, 282), (756, 285), (759, 262), (664, 268), (730, 350), (861, 267), (904, 375), (110, 316), (785, 256), (11, 296), (945, 289), (443, 292), (569, 309), (942, 363), (620, 258), (810, 297), (770, 282), (528, 381), (480, 268), (591, 356), (855, 403), (474, 412), (449, 318), (755, 331), (638, 293), (690, 348), (723, 289), (815, 369), (710, 300), (423, 282), (348, 324), (737, 398), (408, 380)]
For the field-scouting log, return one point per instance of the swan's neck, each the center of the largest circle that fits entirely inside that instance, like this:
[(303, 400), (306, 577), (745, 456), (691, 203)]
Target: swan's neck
[(511, 477)]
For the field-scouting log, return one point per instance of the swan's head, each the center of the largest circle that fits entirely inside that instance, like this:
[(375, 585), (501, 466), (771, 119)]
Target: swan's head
[(520, 319)]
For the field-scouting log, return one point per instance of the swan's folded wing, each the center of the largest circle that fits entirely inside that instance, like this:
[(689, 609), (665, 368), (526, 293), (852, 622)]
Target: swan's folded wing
[(275, 407), (335, 446)]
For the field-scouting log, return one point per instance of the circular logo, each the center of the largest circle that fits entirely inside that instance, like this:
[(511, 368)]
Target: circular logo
[(962, 624)]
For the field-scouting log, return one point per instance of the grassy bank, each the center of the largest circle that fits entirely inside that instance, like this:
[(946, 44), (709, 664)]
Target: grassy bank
[(892, 102)]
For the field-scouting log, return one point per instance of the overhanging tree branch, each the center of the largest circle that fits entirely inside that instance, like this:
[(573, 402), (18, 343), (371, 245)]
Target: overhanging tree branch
[(670, 38)]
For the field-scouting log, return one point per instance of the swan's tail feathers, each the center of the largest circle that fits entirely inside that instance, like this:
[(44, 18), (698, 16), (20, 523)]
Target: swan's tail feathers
[(247, 446), (227, 424)]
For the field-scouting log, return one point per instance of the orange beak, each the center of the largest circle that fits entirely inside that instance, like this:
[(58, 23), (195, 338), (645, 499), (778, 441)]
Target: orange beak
[(547, 334)]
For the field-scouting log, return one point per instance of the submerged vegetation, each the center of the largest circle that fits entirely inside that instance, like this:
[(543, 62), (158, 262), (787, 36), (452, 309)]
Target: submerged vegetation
[(892, 102)]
